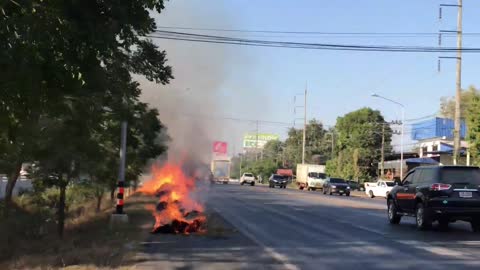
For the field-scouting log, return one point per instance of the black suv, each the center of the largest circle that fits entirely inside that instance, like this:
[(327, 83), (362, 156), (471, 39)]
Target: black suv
[(277, 180), (336, 185), (437, 193)]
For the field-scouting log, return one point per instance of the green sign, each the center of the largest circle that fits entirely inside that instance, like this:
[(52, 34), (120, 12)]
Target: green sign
[(254, 140)]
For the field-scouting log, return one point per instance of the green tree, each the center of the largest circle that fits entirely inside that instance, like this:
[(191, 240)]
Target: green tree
[(56, 57), (473, 132), (316, 143), (358, 143), (447, 104)]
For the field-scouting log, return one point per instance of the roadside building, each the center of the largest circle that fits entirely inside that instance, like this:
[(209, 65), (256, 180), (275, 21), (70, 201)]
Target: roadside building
[(434, 147)]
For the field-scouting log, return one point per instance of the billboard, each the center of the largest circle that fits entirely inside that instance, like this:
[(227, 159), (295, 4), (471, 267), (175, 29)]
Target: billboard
[(219, 148), (250, 139)]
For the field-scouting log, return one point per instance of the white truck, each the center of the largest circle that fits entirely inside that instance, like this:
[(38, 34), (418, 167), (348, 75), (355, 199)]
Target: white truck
[(310, 176), (221, 170), (381, 188), (247, 178)]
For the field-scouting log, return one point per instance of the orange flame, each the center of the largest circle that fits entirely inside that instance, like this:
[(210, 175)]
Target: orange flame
[(176, 197)]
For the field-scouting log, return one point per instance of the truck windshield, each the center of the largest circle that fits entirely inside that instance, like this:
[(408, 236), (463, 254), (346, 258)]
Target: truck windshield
[(317, 175)]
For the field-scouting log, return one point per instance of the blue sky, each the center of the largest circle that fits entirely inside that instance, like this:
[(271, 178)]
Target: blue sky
[(259, 83)]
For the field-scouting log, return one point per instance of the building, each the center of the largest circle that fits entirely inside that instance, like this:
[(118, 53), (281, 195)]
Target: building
[(435, 140), (434, 146)]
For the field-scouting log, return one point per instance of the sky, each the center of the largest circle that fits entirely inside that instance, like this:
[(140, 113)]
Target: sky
[(213, 81)]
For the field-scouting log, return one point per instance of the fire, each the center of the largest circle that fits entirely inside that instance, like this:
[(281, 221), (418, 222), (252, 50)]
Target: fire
[(178, 210)]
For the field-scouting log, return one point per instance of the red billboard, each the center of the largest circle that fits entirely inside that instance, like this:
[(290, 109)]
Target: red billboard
[(219, 148)]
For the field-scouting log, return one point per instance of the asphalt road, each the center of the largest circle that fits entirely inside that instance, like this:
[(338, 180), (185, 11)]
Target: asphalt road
[(291, 229)]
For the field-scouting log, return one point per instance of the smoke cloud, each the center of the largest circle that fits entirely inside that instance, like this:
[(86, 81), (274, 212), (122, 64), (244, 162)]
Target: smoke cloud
[(187, 104)]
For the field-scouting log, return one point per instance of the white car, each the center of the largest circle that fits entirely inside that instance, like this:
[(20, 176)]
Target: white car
[(247, 178), (381, 188)]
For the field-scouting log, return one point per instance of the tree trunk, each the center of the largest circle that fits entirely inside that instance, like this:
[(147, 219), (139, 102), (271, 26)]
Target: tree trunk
[(99, 202), (12, 180), (112, 194), (61, 210)]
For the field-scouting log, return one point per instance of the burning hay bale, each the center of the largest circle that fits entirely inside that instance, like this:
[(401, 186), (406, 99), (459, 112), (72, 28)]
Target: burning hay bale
[(178, 211)]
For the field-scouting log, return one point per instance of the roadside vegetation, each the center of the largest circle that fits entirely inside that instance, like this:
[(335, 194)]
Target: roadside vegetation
[(66, 86), (88, 242)]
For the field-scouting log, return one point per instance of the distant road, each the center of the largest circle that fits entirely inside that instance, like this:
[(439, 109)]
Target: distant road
[(21, 185)]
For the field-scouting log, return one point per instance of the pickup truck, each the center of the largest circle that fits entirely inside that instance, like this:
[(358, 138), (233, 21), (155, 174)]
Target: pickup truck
[(381, 188), (247, 178)]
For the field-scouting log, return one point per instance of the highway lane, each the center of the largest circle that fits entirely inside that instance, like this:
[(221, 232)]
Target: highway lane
[(309, 230)]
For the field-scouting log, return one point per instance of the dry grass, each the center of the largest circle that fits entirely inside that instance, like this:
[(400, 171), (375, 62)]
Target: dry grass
[(89, 241)]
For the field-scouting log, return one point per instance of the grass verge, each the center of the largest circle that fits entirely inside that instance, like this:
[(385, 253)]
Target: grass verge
[(89, 242)]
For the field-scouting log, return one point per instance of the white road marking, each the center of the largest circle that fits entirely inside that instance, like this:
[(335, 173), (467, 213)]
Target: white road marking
[(437, 250), (269, 250)]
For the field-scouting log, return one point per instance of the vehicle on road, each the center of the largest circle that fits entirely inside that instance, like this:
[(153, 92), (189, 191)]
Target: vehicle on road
[(336, 186), (247, 178), (354, 185), (277, 180), (310, 176), (381, 188), (437, 193), (221, 170)]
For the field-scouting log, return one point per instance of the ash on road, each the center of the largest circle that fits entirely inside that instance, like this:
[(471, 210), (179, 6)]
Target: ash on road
[(288, 229)]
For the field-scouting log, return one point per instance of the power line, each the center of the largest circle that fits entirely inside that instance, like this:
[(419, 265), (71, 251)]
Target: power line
[(311, 32), (182, 36)]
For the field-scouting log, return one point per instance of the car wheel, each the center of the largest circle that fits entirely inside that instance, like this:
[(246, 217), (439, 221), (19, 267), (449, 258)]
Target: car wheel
[(422, 218), (309, 188), (241, 183), (347, 194), (324, 191), (443, 224), (393, 216), (330, 192), (370, 193), (314, 189), (475, 225), (252, 184)]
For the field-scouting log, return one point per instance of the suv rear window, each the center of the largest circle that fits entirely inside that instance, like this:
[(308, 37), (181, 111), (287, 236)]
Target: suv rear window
[(336, 180), (460, 176), (248, 175)]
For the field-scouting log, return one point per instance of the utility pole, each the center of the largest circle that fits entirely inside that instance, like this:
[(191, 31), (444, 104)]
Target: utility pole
[(240, 170), (256, 143), (333, 144), (121, 170), (382, 158), (458, 90), (304, 124), (456, 139)]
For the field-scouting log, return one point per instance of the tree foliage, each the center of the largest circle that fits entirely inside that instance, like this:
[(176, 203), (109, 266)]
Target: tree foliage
[(447, 104), (316, 143), (473, 132), (358, 144), (66, 85)]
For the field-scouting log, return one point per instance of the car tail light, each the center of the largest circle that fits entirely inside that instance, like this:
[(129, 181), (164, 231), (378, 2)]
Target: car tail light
[(438, 187)]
